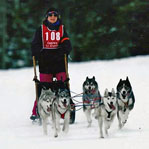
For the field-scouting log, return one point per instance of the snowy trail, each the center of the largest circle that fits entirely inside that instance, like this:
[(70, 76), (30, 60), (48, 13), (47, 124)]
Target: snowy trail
[(18, 93)]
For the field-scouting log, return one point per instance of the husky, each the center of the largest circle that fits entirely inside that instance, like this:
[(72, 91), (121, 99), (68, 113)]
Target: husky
[(126, 101), (45, 107), (91, 98), (61, 109), (107, 112)]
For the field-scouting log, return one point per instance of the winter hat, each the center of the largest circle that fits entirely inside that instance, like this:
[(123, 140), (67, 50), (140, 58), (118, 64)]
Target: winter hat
[(52, 10)]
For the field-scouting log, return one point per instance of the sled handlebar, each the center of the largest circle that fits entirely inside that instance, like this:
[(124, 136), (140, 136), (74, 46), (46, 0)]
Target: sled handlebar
[(35, 77)]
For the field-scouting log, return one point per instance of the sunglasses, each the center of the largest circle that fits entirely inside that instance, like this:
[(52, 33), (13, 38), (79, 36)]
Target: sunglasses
[(53, 13)]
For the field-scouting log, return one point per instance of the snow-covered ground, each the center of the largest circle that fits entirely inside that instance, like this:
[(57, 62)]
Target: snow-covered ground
[(17, 95)]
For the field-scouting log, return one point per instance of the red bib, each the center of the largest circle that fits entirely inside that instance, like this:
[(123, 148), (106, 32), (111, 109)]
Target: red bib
[(51, 38)]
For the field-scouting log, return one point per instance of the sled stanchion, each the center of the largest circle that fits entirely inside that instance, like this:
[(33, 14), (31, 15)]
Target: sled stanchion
[(66, 69), (35, 77), (72, 113)]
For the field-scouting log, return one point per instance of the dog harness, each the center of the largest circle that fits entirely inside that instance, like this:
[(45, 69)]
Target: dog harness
[(61, 114), (109, 114), (90, 97), (129, 95)]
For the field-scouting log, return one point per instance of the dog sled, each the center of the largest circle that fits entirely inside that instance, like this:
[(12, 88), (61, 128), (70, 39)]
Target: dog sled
[(54, 86)]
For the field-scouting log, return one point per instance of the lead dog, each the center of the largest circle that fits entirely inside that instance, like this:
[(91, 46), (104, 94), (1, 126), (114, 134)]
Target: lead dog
[(45, 107), (126, 101), (107, 111), (61, 109), (91, 98)]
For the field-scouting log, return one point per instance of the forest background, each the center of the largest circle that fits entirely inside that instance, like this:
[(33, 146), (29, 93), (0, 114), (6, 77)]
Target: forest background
[(98, 29)]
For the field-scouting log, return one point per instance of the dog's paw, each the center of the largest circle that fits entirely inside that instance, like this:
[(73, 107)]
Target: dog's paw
[(95, 116), (102, 137), (124, 122), (120, 126), (45, 132), (56, 135), (89, 125)]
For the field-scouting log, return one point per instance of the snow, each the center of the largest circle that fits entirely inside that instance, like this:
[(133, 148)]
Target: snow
[(18, 93)]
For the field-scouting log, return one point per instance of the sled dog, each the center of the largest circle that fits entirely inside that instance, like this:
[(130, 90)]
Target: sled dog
[(126, 101), (61, 109), (107, 112), (91, 98), (45, 107)]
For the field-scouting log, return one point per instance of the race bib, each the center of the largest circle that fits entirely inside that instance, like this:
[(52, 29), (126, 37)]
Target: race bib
[(51, 38)]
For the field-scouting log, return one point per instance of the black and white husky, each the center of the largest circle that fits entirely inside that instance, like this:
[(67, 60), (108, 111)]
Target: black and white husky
[(45, 107), (107, 112), (61, 109), (91, 98), (126, 101)]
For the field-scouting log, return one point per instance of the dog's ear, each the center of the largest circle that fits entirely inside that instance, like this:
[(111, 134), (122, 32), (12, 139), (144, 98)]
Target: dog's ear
[(57, 92), (113, 92), (86, 78), (119, 83), (128, 82), (51, 91), (42, 94), (93, 78), (106, 92), (127, 79), (43, 91)]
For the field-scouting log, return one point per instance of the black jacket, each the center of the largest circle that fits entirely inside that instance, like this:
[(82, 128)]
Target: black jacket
[(50, 61)]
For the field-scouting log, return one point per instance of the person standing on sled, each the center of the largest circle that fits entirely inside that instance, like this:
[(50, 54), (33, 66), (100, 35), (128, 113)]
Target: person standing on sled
[(49, 45)]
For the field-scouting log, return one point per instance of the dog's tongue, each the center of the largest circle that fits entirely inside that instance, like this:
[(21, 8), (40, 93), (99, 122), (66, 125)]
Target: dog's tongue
[(65, 105), (113, 107), (48, 109)]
